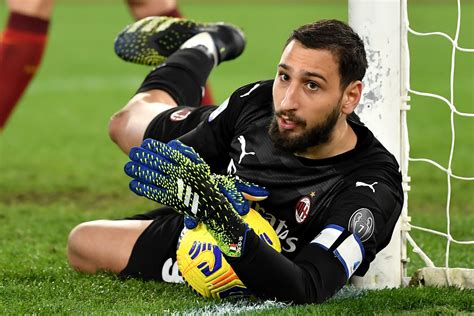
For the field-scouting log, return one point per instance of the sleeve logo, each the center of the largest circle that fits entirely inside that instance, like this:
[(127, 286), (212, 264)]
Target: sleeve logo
[(362, 223)]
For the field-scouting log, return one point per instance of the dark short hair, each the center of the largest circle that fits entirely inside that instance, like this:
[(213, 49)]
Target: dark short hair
[(341, 40)]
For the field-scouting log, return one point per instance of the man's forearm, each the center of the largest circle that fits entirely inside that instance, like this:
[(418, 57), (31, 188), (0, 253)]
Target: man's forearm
[(313, 277)]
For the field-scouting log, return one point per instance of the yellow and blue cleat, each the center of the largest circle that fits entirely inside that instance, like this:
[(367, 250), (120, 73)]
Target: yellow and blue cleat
[(151, 40)]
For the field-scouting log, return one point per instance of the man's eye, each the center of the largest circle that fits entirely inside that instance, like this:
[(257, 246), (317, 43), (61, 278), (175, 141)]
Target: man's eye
[(284, 77), (312, 85)]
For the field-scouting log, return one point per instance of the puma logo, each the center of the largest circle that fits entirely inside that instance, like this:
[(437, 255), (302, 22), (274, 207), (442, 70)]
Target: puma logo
[(231, 169), (363, 184), (243, 153)]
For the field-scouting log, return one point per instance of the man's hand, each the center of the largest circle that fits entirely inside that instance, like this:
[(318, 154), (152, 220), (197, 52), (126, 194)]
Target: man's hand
[(173, 174), (238, 192)]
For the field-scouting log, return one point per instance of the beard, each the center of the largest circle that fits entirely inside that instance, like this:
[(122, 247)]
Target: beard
[(313, 136)]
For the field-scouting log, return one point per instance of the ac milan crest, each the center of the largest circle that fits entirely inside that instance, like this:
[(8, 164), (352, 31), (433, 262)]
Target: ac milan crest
[(302, 209), (180, 114)]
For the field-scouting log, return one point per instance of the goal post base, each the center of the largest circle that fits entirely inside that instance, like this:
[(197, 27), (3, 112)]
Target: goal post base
[(438, 277)]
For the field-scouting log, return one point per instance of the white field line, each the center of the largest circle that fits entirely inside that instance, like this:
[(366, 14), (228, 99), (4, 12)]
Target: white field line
[(230, 308), (246, 306)]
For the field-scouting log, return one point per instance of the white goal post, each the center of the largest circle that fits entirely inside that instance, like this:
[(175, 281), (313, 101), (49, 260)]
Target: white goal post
[(383, 25), (378, 22)]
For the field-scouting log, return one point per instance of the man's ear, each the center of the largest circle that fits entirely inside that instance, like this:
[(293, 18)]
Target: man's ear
[(351, 97)]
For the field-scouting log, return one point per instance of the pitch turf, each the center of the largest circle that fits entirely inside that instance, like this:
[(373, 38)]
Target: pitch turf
[(59, 168)]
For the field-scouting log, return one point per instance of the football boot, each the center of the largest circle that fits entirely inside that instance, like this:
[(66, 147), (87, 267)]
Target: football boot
[(151, 40)]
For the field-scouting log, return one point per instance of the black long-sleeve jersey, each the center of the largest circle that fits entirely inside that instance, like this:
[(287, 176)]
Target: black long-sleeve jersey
[(332, 215)]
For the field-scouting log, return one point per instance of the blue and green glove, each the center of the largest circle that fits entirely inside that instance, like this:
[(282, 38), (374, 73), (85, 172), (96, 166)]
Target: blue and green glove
[(175, 175), (238, 192)]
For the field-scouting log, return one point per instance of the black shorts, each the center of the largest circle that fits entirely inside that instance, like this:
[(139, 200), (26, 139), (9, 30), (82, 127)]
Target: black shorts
[(175, 122), (154, 253)]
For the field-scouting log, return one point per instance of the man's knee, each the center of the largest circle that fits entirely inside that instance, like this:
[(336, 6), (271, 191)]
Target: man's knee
[(127, 127), (80, 247), (118, 126)]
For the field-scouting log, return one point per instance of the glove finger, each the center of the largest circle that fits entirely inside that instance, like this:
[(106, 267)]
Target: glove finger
[(151, 160), (235, 198), (251, 191), (151, 192), (164, 151), (146, 175), (186, 151), (136, 188)]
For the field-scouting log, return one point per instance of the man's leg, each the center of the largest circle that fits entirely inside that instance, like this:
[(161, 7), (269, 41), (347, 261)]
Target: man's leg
[(179, 82), (21, 48), (125, 246), (144, 8), (127, 127), (103, 244), (142, 246), (190, 50)]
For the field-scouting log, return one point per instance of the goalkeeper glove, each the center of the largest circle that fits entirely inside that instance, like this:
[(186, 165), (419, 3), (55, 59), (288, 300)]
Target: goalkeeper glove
[(175, 175), (238, 192)]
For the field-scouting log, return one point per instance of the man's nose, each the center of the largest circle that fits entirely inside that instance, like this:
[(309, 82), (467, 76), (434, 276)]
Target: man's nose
[(290, 98)]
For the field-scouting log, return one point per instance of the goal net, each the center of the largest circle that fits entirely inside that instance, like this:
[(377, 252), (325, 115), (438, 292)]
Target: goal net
[(397, 96)]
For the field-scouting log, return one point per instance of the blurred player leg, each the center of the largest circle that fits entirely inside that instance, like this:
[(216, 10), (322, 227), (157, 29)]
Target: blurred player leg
[(21, 47), (143, 8), (189, 61)]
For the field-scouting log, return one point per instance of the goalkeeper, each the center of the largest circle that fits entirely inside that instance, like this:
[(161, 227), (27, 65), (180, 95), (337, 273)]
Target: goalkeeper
[(334, 192)]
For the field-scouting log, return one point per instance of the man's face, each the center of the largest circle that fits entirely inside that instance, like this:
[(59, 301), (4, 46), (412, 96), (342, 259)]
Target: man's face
[(306, 98)]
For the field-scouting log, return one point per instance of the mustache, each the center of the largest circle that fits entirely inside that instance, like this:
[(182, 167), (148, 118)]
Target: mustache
[(290, 116)]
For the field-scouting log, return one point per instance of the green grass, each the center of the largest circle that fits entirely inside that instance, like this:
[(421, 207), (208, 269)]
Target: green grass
[(58, 167)]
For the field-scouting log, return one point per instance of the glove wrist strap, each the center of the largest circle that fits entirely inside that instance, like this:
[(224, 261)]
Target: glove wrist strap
[(228, 228)]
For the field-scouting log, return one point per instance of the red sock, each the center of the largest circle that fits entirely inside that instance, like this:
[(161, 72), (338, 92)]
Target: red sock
[(207, 99), (21, 48)]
